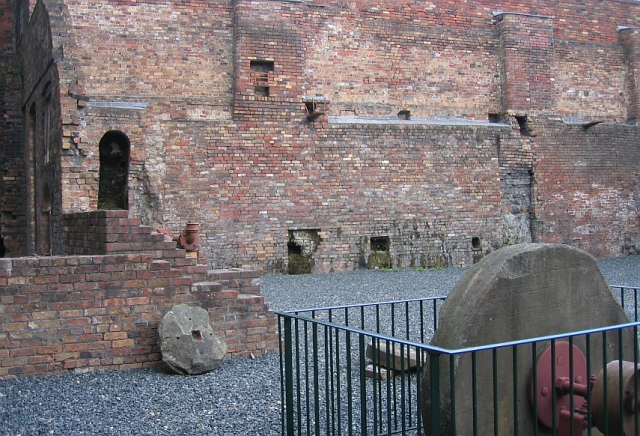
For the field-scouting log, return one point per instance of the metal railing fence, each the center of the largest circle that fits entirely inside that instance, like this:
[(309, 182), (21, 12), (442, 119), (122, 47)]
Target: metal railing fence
[(359, 369)]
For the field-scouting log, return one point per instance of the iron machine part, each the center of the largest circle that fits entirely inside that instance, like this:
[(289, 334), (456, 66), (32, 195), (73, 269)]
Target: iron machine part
[(618, 407), (559, 388), (189, 238)]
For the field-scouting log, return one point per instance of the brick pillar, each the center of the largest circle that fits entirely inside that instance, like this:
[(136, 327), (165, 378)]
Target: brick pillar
[(526, 54), (630, 38)]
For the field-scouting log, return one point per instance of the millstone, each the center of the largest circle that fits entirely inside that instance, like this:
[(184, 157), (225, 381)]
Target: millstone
[(187, 341), (518, 292)]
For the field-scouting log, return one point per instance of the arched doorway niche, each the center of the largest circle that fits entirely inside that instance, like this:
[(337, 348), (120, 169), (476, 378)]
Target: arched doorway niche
[(114, 171)]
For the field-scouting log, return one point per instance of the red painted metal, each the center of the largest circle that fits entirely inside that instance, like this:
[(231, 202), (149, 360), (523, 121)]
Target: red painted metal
[(580, 423), (617, 419), (547, 389)]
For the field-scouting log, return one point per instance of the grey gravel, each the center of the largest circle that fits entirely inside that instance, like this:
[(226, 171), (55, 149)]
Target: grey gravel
[(241, 397)]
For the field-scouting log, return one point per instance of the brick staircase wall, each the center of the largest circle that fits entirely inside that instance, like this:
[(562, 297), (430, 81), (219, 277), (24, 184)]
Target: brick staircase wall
[(112, 231), (101, 310)]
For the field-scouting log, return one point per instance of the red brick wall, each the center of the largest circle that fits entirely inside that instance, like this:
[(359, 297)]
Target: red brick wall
[(112, 231), (432, 58), (526, 44), (175, 78), (269, 32), (587, 187), (429, 188)]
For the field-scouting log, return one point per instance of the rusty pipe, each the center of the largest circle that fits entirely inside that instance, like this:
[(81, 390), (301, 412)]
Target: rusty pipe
[(189, 238)]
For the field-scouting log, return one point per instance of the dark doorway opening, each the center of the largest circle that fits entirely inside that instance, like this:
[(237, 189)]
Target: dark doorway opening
[(114, 171)]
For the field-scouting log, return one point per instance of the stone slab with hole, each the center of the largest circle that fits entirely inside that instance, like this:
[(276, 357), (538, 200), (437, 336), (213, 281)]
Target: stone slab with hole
[(187, 341)]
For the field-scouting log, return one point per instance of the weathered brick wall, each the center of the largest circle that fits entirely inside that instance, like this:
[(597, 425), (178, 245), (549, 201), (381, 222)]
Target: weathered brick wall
[(111, 231), (7, 27), (80, 313), (12, 162), (269, 32), (44, 173), (589, 65), (587, 189), (430, 188), (176, 78), (375, 59), (526, 44), (517, 177)]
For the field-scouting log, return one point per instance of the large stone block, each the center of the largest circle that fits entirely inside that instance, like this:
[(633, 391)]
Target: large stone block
[(396, 357), (518, 292), (187, 341)]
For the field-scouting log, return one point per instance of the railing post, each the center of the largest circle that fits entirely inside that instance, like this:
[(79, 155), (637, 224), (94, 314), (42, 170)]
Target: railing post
[(363, 385), (434, 392), (288, 376)]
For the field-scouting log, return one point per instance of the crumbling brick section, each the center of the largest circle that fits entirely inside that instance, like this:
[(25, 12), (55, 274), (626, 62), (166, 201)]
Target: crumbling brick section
[(84, 312), (237, 312)]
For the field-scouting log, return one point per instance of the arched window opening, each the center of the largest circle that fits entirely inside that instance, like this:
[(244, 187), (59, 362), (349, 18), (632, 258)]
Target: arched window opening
[(46, 118), (44, 227), (32, 172), (114, 171), (23, 11)]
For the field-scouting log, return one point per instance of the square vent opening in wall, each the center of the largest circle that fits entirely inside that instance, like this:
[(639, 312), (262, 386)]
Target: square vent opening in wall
[(380, 257), (261, 73)]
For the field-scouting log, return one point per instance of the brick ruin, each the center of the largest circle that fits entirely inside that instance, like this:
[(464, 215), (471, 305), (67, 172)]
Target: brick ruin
[(322, 135), (100, 307)]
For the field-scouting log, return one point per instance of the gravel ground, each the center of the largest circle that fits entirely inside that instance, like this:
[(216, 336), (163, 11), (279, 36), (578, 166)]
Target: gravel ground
[(242, 397)]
